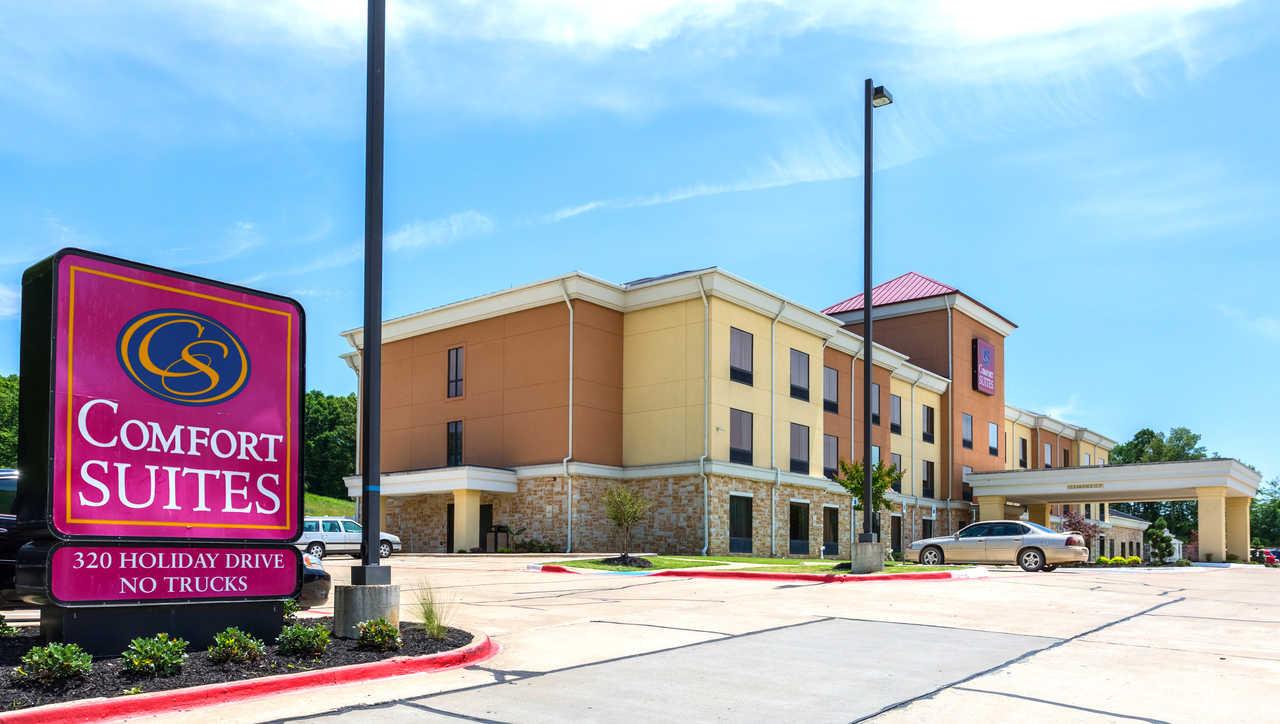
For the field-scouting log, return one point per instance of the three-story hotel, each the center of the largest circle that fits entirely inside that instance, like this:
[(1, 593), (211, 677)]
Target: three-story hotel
[(727, 405)]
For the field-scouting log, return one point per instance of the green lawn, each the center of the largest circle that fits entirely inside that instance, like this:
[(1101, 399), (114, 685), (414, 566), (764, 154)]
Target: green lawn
[(889, 567), (659, 563), (323, 505)]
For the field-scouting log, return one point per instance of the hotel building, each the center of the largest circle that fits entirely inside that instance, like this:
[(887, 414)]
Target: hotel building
[(726, 404)]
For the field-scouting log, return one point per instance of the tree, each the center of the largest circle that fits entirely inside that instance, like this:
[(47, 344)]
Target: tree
[(625, 508), (1265, 514), (8, 421), (1149, 446), (1074, 520), (883, 478), (329, 442), (1158, 541)]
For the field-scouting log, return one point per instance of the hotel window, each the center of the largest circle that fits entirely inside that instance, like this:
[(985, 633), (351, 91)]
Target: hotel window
[(875, 404), (875, 455), (1086, 461), (1022, 452), (740, 366), (739, 523), (926, 480), (896, 461), (966, 490), (895, 414), (830, 389), (455, 372), (799, 375), (1066, 458), (1088, 510), (966, 430), (830, 455), (1102, 511), (1047, 458), (453, 443), (799, 449), (740, 437), (926, 528), (993, 438), (926, 423)]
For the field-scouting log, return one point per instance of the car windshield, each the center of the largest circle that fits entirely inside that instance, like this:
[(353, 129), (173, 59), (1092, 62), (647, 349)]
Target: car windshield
[(1041, 528)]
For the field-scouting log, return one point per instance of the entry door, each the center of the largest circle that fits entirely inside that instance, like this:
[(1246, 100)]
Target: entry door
[(739, 524), (830, 531), (799, 527), (895, 534), (448, 528), (486, 522)]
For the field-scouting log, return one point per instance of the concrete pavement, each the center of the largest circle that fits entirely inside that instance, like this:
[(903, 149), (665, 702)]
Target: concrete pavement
[(1073, 645)]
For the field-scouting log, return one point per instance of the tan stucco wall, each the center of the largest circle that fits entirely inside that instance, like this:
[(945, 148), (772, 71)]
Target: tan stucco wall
[(662, 375)]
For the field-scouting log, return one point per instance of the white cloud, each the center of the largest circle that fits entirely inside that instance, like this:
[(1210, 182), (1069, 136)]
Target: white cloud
[(1261, 325), (240, 239), (438, 232), (1066, 409), (10, 301)]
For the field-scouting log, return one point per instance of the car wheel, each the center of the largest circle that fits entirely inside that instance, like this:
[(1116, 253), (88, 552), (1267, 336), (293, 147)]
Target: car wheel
[(1031, 559), (384, 549), (931, 556), (316, 549)]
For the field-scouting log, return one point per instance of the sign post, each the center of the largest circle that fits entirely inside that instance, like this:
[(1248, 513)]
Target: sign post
[(160, 452)]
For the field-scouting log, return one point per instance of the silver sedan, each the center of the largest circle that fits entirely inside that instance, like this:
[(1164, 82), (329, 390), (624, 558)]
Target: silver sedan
[(1031, 546)]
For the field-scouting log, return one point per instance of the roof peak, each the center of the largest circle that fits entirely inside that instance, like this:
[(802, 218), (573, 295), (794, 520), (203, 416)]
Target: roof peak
[(902, 288)]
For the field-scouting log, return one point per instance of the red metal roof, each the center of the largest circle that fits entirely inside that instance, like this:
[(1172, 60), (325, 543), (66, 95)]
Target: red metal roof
[(906, 288)]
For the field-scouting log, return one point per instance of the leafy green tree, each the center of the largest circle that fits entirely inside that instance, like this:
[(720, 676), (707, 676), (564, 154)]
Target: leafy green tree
[(329, 442), (8, 421), (1149, 446), (625, 508), (883, 479), (1158, 541), (1265, 514)]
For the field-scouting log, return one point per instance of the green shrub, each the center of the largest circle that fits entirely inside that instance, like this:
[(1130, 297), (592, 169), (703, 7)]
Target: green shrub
[(1119, 561), (291, 609), (1182, 562), (378, 634), (299, 639), (159, 655), (231, 645), (53, 664), (1133, 561), (433, 614), (1103, 561), (5, 629)]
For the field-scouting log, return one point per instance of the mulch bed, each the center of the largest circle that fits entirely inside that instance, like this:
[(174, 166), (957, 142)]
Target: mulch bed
[(110, 679)]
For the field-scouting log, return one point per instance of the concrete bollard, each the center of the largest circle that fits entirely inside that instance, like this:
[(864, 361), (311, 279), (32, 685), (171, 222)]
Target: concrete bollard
[(354, 604), (867, 558)]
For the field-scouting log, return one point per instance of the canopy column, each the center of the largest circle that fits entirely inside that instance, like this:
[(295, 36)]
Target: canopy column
[(1211, 505), (990, 507), (1238, 535)]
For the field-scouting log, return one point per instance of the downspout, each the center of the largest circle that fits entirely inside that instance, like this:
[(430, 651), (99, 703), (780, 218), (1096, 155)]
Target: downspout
[(853, 436), (773, 430), (914, 434), (706, 415), (568, 548), (951, 418)]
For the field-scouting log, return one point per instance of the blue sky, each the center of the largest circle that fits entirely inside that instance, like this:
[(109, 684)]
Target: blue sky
[(1104, 174)]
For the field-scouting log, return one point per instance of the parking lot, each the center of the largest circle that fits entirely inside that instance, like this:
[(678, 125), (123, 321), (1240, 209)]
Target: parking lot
[(1187, 644)]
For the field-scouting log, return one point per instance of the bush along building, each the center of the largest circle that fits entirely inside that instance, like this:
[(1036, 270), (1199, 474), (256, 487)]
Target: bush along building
[(725, 404)]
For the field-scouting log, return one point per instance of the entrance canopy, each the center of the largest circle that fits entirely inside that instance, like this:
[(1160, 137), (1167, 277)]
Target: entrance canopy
[(1139, 482), (1222, 488)]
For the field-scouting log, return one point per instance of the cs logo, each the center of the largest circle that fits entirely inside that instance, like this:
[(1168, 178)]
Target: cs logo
[(183, 357)]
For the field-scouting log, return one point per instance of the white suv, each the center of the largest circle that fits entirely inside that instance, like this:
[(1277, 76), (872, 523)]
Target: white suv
[(325, 534)]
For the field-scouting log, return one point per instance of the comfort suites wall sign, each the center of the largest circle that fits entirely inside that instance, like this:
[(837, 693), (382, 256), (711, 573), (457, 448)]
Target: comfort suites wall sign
[(984, 366), (161, 433)]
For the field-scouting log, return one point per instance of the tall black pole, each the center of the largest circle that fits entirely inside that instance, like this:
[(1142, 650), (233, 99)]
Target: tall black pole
[(868, 535), (370, 572)]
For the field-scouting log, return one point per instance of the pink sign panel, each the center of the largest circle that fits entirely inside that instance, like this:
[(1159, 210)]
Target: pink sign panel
[(984, 366), (88, 574), (176, 407)]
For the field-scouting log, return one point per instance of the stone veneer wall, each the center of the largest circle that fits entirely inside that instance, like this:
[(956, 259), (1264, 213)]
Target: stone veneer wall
[(674, 524)]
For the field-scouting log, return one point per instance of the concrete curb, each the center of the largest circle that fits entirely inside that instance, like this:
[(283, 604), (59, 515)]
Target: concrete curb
[(968, 574), (196, 697)]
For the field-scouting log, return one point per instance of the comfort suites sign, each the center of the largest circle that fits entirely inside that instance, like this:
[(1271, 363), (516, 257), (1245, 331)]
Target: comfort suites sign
[(173, 416)]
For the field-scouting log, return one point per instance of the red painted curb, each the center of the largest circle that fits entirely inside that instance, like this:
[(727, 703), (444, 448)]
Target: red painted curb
[(555, 569), (813, 577), (156, 702)]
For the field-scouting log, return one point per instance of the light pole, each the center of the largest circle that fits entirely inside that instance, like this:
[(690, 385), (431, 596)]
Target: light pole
[(370, 572), (876, 96)]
